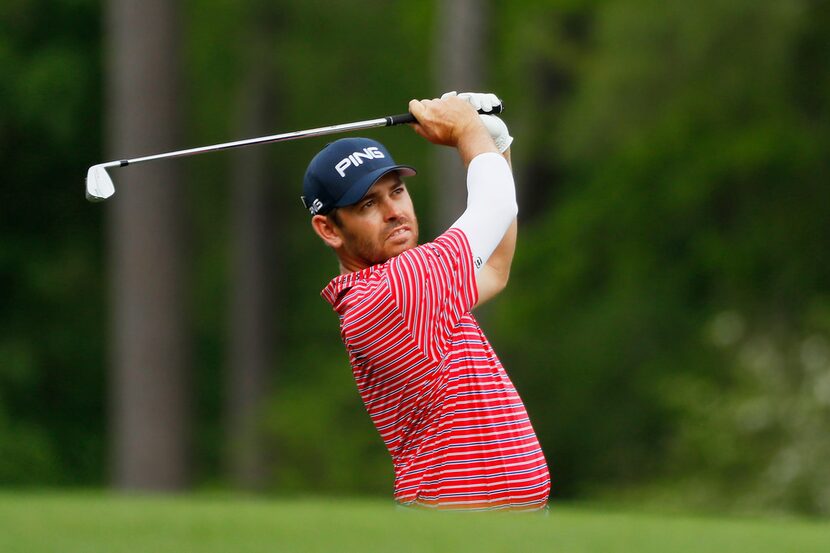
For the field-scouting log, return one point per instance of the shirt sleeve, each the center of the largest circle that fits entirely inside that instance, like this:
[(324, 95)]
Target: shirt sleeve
[(434, 286)]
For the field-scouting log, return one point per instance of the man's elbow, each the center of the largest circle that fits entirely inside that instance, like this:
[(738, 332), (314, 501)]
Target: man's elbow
[(490, 284), (505, 279), (502, 277)]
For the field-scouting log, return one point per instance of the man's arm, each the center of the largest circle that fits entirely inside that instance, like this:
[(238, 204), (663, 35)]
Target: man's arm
[(489, 220), (452, 122), (492, 278)]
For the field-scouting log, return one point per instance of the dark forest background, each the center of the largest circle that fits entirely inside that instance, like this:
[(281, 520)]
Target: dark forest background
[(668, 317)]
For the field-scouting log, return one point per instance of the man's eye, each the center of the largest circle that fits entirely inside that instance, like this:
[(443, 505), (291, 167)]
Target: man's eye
[(367, 204), (398, 190)]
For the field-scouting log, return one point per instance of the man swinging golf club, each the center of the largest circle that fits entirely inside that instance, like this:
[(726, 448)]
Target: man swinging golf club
[(458, 433)]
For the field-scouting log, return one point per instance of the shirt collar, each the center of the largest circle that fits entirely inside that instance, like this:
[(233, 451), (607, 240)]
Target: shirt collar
[(339, 285)]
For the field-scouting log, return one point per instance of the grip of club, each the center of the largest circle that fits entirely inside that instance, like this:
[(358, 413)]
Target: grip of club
[(406, 118)]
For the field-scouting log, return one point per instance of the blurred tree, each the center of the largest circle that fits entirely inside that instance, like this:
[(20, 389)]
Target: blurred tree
[(459, 62), (150, 346), (255, 255), (694, 183)]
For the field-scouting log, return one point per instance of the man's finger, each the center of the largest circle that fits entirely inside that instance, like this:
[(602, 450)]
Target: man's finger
[(472, 99), (419, 130), (416, 108)]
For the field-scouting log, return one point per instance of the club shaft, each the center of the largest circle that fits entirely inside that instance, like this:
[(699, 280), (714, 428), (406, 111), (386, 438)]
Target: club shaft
[(319, 131), (388, 121)]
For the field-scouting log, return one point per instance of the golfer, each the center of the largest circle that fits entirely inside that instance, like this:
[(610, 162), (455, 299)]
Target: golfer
[(458, 433)]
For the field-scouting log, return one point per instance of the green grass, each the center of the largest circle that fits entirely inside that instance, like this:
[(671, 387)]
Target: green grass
[(99, 522)]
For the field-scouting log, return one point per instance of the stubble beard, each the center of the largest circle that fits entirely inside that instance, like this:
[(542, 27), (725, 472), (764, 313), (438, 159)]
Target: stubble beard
[(373, 250)]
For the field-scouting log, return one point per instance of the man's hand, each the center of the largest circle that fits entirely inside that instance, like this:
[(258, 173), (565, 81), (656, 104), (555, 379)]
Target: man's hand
[(484, 101), (444, 122), (452, 122), (495, 126)]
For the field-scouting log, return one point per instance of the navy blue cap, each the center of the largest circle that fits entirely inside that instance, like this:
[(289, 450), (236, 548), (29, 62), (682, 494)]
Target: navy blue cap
[(342, 172)]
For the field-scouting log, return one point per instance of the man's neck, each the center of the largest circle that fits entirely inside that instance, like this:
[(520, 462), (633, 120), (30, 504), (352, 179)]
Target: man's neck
[(350, 266)]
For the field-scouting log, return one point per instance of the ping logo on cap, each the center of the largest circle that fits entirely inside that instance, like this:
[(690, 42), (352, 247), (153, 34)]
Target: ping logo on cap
[(315, 206), (356, 158)]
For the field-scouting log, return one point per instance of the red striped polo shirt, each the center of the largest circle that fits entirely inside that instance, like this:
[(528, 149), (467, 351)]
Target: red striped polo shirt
[(437, 393)]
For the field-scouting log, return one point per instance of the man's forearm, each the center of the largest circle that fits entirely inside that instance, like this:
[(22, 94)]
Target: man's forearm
[(502, 257), (503, 253), (491, 205), (492, 278), (489, 220), (475, 143)]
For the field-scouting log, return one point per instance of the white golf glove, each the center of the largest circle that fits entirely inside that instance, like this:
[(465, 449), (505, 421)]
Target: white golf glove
[(495, 126)]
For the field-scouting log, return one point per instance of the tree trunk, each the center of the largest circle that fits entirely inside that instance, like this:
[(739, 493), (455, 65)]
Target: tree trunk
[(254, 256), (252, 287), (150, 404), (460, 65)]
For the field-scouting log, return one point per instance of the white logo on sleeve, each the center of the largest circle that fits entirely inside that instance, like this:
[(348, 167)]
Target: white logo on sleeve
[(356, 158), (478, 262)]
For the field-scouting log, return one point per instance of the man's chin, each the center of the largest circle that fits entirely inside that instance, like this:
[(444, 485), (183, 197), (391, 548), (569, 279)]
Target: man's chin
[(410, 240), (398, 248)]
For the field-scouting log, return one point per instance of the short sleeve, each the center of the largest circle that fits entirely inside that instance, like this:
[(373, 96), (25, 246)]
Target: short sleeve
[(434, 287)]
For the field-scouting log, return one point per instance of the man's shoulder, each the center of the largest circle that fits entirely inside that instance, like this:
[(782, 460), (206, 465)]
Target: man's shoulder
[(452, 242)]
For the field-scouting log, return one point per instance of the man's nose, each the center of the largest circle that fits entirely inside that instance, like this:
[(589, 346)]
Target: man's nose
[(392, 211)]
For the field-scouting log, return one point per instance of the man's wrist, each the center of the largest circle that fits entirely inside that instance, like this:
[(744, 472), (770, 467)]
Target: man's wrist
[(475, 140)]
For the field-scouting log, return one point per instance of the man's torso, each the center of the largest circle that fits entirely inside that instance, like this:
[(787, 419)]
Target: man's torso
[(437, 393)]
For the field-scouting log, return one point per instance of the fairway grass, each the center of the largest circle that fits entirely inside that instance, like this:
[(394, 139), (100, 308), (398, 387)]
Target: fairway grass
[(101, 522)]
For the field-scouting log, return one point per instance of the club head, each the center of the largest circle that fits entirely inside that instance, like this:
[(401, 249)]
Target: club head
[(99, 185)]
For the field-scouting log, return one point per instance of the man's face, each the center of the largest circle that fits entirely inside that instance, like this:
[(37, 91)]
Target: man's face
[(379, 226)]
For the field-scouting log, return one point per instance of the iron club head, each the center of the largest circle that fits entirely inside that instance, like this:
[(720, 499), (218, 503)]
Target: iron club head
[(99, 185)]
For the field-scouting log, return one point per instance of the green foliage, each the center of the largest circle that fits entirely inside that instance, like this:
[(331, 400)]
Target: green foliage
[(696, 183), (667, 319), (764, 444), (51, 311), (324, 438)]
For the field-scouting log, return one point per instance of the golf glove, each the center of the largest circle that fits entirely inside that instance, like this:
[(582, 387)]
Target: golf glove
[(495, 126)]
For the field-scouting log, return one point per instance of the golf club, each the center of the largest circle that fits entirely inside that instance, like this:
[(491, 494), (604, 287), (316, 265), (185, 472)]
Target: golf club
[(99, 185)]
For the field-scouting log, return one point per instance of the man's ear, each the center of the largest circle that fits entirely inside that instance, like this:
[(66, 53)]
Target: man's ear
[(325, 229)]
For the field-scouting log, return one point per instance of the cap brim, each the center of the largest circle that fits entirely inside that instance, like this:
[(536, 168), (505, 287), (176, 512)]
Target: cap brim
[(359, 189)]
